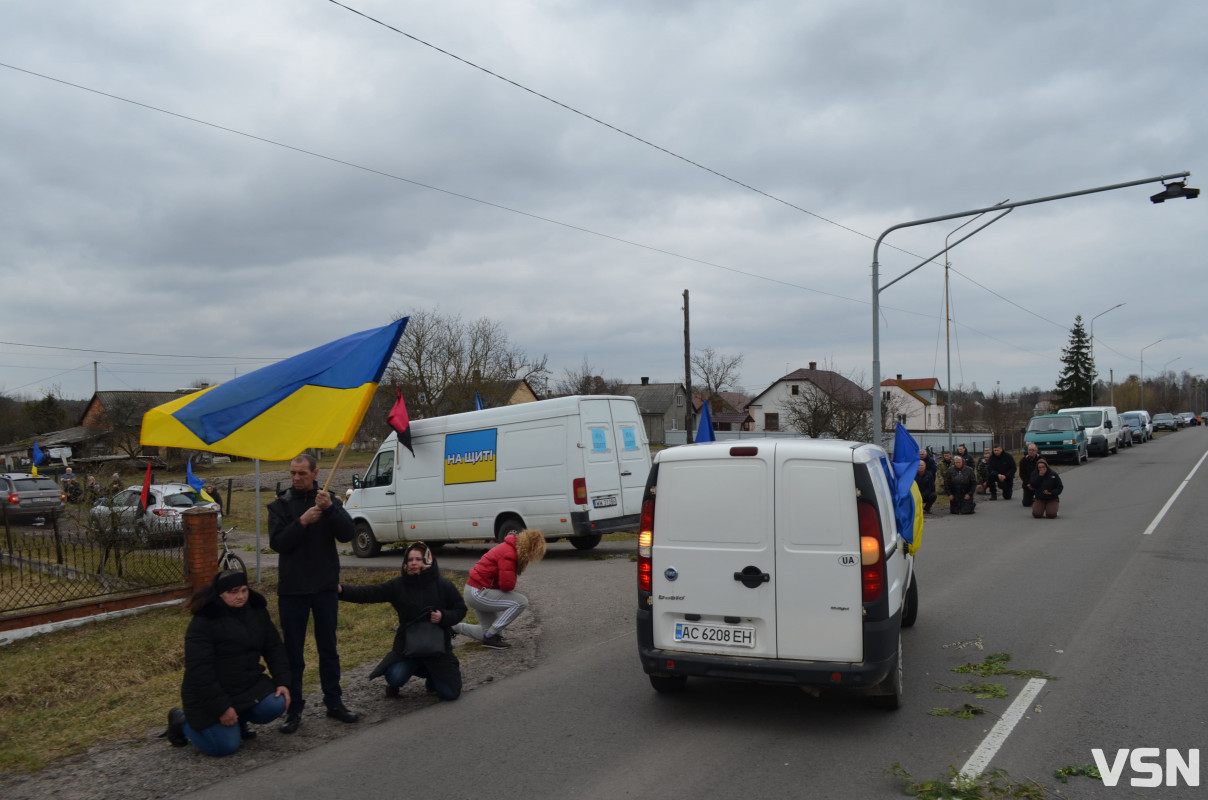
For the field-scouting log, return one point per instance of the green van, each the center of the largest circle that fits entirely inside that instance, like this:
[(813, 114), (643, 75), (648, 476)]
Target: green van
[(1058, 436)]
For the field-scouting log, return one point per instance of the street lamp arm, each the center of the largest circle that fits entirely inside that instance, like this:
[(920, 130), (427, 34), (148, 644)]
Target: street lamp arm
[(947, 247)]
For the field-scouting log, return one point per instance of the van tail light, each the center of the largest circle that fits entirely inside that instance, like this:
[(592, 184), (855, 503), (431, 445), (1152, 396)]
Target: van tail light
[(14, 499), (872, 553), (645, 544), (580, 489)]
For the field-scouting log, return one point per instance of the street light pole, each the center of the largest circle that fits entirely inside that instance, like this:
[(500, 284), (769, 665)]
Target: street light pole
[(1113, 308), (876, 269), (1143, 349)]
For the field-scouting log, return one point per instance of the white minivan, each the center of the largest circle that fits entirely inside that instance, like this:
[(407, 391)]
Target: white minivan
[(776, 561), (1102, 423), (571, 467)]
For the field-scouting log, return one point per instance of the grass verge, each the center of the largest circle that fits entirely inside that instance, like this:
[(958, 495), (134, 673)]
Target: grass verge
[(108, 682)]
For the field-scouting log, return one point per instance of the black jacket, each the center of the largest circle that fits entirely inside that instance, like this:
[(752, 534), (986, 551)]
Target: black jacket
[(926, 484), (1002, 464), (1027, 468), (309, 562), (959, 482), (411, 595), (1050, 483), (223, 651)]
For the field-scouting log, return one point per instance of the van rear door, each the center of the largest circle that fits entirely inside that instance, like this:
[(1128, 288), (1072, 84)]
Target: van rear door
[(702, 539), (600, 461), (633, 455), (818, 590)]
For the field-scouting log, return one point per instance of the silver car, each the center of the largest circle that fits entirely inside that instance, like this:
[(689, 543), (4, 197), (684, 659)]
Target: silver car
[(160, 522), (28, 496)]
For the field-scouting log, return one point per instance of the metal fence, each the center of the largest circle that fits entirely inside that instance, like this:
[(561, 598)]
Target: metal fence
[(63, 561)]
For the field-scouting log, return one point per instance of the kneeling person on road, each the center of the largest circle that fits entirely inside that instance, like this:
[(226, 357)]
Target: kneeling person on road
[(490, 589)]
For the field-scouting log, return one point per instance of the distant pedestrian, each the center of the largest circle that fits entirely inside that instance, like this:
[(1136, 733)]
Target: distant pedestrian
[(959, 484), (115, 483), (926, 483), (982, 473), (1047, 486), (1027, 468), (1002, 473), (491, 587)]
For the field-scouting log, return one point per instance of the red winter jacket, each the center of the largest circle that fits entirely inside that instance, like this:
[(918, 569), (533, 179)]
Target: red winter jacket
[(497, 568)]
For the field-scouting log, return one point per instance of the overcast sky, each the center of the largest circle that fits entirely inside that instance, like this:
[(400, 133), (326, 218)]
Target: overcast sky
[(142, 240)]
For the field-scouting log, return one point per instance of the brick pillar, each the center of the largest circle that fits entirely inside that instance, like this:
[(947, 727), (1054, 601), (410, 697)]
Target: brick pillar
[(201, 546)]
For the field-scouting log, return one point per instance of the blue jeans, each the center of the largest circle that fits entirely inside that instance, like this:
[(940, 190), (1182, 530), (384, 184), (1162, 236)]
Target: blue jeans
[(401, 672), (296, 610), (222, 740)]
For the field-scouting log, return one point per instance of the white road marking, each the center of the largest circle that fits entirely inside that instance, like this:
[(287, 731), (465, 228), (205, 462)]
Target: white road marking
[(1158, 519), (980, 759)]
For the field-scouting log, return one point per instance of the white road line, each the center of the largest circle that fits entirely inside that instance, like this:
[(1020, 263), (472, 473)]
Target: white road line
[(1158, 519), (980, 759)]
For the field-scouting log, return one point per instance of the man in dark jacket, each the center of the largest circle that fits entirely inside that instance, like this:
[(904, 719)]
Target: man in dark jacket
[(925, 480), (1027, 468), (304, 524), (959, 484), (1002, 473)]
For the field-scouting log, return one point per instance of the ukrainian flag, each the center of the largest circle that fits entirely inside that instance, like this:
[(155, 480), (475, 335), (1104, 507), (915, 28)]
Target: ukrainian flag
[(316, 399)]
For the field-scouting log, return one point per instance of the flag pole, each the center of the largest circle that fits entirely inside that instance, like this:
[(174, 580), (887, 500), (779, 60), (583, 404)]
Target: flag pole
[(335, 466)]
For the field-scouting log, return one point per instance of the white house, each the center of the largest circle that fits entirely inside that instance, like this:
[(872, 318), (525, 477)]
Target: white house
[(916, 403), (768, 408)]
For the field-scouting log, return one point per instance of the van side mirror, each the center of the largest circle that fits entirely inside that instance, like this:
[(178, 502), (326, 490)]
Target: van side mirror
[(356, 481), (1108, 424)]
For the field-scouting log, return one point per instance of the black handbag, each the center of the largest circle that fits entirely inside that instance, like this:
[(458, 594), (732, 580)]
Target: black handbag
[(424, 639)]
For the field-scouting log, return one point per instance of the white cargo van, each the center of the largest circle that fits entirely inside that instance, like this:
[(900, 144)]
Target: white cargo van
[(1102, 425), (572, 467), (776, 561)]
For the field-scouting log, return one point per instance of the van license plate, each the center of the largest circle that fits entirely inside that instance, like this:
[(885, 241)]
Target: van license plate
[(725, 635), (1048, 452), (604, 502)]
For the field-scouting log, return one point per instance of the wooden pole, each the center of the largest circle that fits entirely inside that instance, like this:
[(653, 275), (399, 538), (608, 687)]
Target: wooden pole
[(335, 466)]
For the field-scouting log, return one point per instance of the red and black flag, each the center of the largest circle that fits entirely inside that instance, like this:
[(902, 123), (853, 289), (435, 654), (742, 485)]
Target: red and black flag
[(401, 423)]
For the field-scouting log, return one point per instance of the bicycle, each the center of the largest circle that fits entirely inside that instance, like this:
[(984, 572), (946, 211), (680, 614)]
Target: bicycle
[(226, 559)]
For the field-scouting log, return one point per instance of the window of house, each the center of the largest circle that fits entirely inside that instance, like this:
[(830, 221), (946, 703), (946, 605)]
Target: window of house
[(771, 422), (679, 401), (793, 389)]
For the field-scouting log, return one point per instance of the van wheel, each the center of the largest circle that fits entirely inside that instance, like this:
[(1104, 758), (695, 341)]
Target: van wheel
[(364, 545), (889, 691), (585, 542), (509, 525), (910, 610), (669, 684)]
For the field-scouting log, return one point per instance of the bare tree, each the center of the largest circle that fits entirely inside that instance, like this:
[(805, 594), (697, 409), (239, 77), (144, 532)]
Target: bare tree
[(715, 372), (124, 419), (831, 405), (441, 361), (584, 380)]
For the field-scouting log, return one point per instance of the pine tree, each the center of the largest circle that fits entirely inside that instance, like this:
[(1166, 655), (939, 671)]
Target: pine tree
[(1074, 384)]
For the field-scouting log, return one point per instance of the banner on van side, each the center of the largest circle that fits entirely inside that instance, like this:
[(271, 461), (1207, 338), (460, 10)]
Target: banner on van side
[(470, 457)]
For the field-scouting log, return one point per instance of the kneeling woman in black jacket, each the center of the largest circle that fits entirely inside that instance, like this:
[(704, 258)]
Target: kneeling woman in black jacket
[(1047, 487), (225, 687), (420, 594)]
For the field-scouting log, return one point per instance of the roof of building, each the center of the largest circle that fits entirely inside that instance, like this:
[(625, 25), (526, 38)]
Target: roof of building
[(653, 398)]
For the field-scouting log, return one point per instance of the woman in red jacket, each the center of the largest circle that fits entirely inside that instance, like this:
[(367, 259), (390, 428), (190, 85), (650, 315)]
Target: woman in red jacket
[(490, 588)]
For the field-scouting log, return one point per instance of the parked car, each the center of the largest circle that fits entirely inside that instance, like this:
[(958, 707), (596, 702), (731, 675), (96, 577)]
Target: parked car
[(1126, 433), (1138, 424), (1165, 422), (1188, 419), (28, 496), (1058, 436), (1146, 421), (159, 523), (1102, 425)]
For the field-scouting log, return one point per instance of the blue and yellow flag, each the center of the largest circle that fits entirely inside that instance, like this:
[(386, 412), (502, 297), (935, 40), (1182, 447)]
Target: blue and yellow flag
[(907, 502), (316, 399), (36, 458), (197, 483)]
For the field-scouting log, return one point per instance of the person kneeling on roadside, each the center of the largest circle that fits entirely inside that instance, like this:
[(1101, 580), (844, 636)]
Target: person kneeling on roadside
[(959, 485), (1046, 486), (490, 589), (225, 687), (424, 599)]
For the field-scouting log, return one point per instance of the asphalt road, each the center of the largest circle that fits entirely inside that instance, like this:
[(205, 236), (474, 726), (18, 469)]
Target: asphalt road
[(1114, 617)]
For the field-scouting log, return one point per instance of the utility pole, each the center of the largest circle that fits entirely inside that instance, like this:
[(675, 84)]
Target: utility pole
[(687, 371)]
